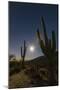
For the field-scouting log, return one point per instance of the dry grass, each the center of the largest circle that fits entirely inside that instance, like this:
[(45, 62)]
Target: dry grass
[(19, 80)]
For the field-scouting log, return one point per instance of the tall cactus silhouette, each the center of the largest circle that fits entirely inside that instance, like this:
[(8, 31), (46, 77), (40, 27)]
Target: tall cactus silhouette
[(23, 53), (48, 47)]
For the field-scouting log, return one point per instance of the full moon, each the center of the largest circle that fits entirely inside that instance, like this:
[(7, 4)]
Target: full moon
[(32, 48)]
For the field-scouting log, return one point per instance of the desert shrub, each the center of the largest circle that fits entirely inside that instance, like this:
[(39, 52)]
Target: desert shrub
[(14, 67)]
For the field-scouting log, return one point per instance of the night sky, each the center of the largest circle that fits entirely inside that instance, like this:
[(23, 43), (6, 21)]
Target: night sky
[(24, 19)]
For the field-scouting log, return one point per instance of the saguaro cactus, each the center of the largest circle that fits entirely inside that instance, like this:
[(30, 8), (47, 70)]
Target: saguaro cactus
[(23, 53), (48, 47)]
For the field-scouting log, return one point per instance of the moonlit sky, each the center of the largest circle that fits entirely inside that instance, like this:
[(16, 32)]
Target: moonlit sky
[(24, 19)]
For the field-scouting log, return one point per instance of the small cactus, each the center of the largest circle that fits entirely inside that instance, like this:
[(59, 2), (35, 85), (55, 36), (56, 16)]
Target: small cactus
[(23, 53)]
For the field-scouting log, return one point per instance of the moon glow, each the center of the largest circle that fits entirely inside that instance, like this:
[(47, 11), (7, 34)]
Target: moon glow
[(32, 48)]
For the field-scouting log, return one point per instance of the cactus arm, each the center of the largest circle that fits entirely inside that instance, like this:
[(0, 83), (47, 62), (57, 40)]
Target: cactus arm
[(38, 35), (21, 51), (41, 43), (49, 44), (53, 41), (24, 48), (44, 50), (44, 30)]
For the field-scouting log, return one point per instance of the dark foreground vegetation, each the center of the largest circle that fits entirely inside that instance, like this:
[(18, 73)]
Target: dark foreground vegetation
[(35, 74)]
